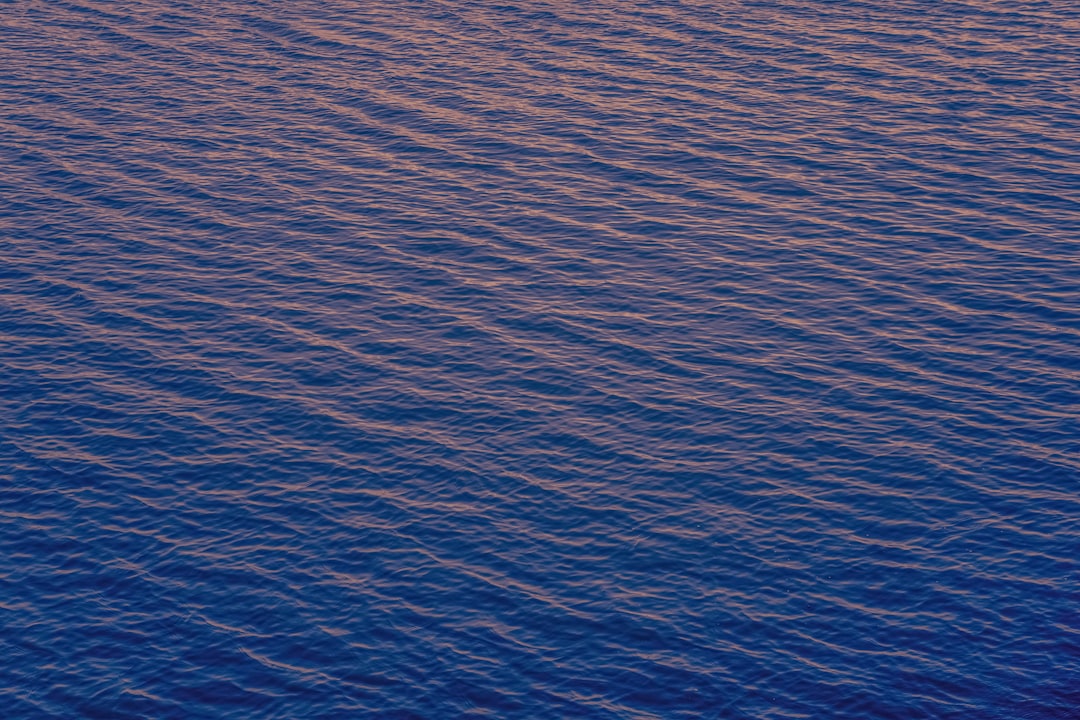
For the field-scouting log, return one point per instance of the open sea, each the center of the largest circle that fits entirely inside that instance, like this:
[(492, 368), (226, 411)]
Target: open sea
[(540, 359)]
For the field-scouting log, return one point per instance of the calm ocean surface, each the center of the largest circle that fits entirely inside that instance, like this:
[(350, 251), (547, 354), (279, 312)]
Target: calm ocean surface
[(622, 359)]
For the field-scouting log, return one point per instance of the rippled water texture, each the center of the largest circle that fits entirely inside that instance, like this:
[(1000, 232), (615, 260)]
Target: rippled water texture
[(674, 359)]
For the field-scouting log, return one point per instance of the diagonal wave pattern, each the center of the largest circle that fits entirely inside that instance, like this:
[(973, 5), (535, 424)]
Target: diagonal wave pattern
[(539, 359)]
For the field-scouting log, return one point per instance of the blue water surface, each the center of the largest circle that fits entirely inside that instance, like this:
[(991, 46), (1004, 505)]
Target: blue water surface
[(644, 359)]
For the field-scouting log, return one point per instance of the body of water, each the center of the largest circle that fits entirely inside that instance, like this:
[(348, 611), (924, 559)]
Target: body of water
[(617, 359)]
